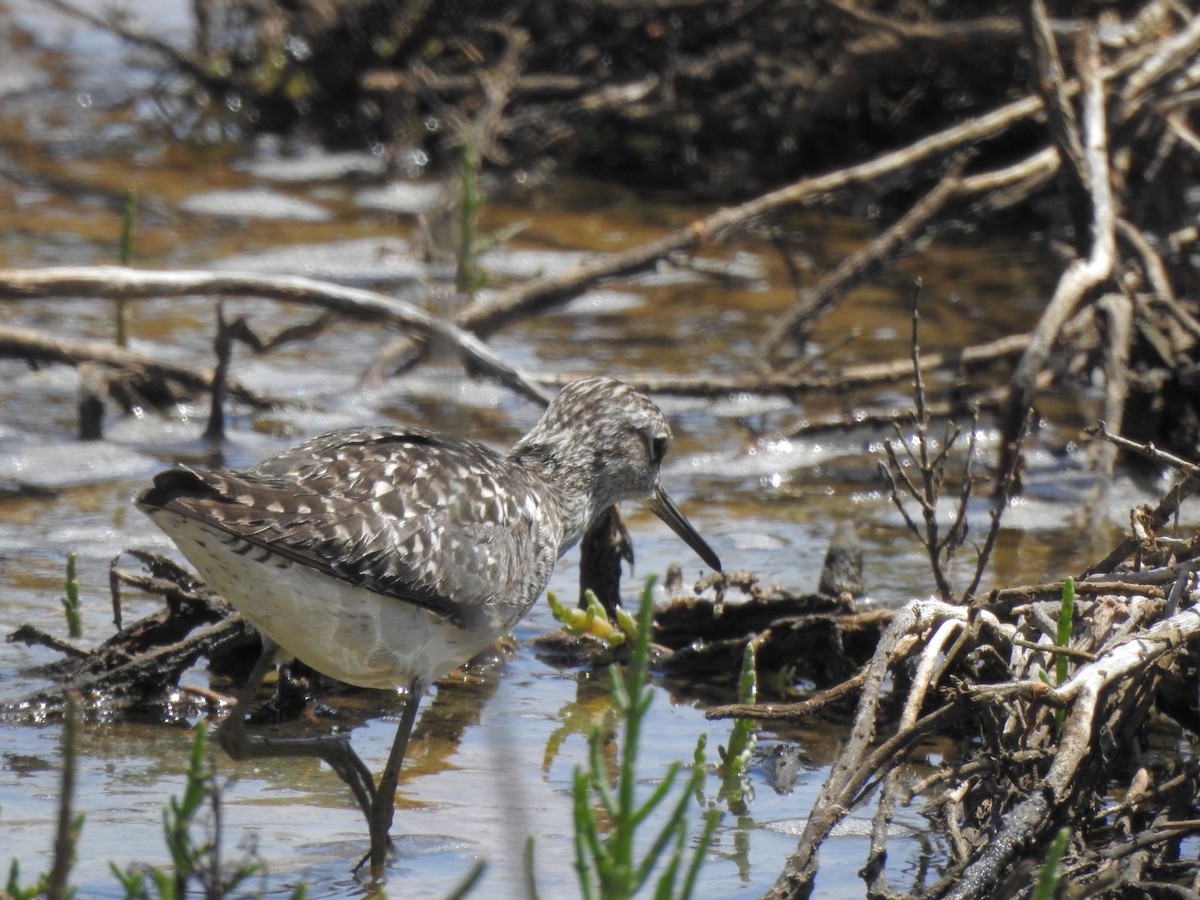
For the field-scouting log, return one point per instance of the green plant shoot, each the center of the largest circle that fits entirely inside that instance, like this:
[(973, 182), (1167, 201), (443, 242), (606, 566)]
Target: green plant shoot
[(592, 619), (125, 257), (605, 859), (1062, 665), (735, 760), (1066, 616), (54, 884), (467, 278), (191, 859), (1062, 638), (1048, 877), (71, 603)]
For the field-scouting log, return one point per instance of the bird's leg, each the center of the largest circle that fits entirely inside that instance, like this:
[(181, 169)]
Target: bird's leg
[(333, 749), (384, 805)]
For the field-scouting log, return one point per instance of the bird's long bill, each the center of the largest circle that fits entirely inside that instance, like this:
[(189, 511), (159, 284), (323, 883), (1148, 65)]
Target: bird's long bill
[(665, 509)]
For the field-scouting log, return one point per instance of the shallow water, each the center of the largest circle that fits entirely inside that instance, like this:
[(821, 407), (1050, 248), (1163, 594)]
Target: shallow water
[(480, 780)]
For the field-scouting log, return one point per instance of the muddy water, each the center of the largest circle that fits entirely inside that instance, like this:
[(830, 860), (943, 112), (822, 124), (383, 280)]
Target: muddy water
[(493, 758)]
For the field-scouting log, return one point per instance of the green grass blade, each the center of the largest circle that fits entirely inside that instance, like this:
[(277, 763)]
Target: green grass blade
[(1066, 616), (468, 884), (651, 803), (1047, 880), (531, 890), (125, 257), (711, 820)]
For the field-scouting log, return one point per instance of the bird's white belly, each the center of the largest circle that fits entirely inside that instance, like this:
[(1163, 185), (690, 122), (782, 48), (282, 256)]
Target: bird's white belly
[(345, 632)]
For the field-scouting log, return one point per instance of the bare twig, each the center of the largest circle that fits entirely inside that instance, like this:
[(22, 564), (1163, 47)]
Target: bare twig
[(1000, 500), (355, 303), (863, 263), (855, 764), (26, 343), (1185, 467), (1064, 128), (790, 712), (1118, 311), (1082, 276), (1083, 692)]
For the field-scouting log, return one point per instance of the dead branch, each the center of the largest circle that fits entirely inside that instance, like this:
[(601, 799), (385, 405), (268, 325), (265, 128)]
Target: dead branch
[(1063, 125), (26, 343), (354, 303), (1081, 276), (1028, 820), (861, 265), (1118, 312), (485, 316), (849, 774), (899, 238), (1183, 466), (845, 380), (790, 712)]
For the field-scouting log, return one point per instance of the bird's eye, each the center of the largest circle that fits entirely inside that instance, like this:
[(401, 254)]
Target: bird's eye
[(657, 446)]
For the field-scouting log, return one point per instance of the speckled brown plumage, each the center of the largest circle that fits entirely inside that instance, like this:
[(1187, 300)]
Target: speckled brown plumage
[(438, 524), (387, 557)]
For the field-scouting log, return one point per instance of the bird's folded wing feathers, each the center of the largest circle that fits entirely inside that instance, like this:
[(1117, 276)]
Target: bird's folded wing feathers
[(445, 541)]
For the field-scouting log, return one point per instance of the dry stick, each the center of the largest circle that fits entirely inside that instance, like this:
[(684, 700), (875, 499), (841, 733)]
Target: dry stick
[(486, 316), (153, 670), (421, 81), (1010, 601), (922, 684), (32, 636), (956, 534), (196, 68), (1052, 650), (1156, 273), (1167, 507), (989, 400), (239, 330), (1178, 127), (939, 548), (223, 344), (976, 766), (355, 303), (1032, 170), (26, 343), (1129, 659), (1170, 55), (1167, 829), (1119, 312), (1060, 115), (952, 815), (1082, 276), (987, 28), (1183, 784), (930, 478), (814, 303), (851, 378), (846, 776), (1000, 501), (983, 29), (896, 239), (888, 753), (790, 712), (1162, 457)]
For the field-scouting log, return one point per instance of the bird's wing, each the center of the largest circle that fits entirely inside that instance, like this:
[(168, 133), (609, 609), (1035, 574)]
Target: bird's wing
[(446, 525)]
